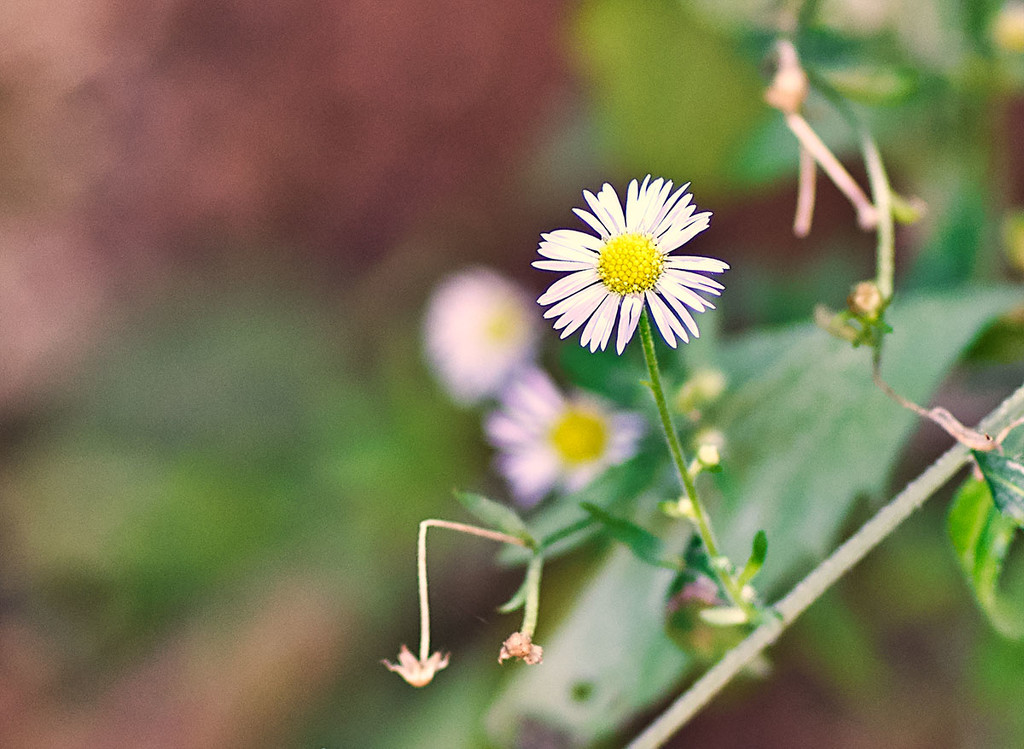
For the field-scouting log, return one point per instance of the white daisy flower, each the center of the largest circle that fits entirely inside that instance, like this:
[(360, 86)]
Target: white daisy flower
[(629, 264), (479, 331), (547, 440)]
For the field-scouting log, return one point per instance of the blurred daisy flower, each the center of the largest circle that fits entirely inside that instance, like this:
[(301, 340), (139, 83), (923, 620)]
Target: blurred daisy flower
[(479, 330), (628, 264), (547, 440)]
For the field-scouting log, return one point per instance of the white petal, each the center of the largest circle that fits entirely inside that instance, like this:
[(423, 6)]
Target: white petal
[(599, 210), (581, 312), (530, 474), (697, 263), (669, 207), (505, 432), (573, 239), (632, 207), (594, 328), (610, 202), (683, 313), (568, 285), (565, 266), (580, 298), (677, 218), (593, 221), (629, 316), (677, 237), (667, 322), (606, 312), (694, 281), (652, 203), (557, 251), (668, 286)]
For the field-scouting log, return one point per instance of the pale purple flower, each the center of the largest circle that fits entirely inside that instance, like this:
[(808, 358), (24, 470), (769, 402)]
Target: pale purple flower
[(480, 329), (547, 440)]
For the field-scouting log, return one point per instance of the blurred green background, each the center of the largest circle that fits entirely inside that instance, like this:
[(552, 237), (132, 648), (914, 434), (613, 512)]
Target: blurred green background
[(219, 223)]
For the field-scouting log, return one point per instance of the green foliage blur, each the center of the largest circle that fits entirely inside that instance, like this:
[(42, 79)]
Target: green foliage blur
[(248, 435)]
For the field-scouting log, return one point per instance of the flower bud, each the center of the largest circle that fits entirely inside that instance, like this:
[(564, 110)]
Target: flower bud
[(704, 387), (707, 456)]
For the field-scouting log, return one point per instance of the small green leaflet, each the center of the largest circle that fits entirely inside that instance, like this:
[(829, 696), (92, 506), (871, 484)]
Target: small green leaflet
[(982, 536), (495, 515), (1005, 477), (757, 556), (516, 602)]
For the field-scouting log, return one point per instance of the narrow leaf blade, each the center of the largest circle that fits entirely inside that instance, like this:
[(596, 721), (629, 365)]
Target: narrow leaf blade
[(645, 545), (495, 515), (982, 537), (758, 554)]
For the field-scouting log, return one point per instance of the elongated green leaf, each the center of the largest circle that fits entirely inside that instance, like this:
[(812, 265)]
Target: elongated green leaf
[(757, 556), (1005, 477), (982, 537), (562, 525), (516, 602), (495, 515), (645, 545)]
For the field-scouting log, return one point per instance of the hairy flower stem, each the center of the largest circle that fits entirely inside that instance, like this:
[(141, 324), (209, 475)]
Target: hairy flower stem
[(700, 516), (881, 191), (821, 579), (532, 605), (421, 568)]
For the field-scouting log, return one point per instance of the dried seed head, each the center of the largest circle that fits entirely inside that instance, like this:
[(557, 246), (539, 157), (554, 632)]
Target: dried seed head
[(789, 86), (519, 645)]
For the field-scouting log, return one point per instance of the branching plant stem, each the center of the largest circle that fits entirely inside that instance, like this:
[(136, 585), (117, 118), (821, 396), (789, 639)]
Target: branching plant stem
[(700, 515), (821, 579), (421, 569)]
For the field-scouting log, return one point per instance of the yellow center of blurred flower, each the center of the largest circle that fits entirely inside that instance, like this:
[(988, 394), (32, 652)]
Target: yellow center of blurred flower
[(1008, 32), (504, 325), (630, 264), (579, 436)]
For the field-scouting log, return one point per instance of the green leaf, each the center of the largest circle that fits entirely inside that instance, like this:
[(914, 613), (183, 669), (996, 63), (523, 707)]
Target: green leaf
[(517, 601), (495, 515), (807, 432), (645, 545), (757, 556), (562, 525), (982, 537), (1005, 478)]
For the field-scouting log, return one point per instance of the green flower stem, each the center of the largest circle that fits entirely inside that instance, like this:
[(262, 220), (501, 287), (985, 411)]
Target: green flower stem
[(700, 516), (421, 569), (820, 579), (881, 191), (532, 595)]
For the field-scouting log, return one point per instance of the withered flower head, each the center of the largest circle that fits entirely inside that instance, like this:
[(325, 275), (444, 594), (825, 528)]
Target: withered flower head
[(417, 672), (519, 645)]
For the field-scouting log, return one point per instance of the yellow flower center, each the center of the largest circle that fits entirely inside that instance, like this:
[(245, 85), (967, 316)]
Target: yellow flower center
[(579, 436), (504, 325), (630, 264)]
